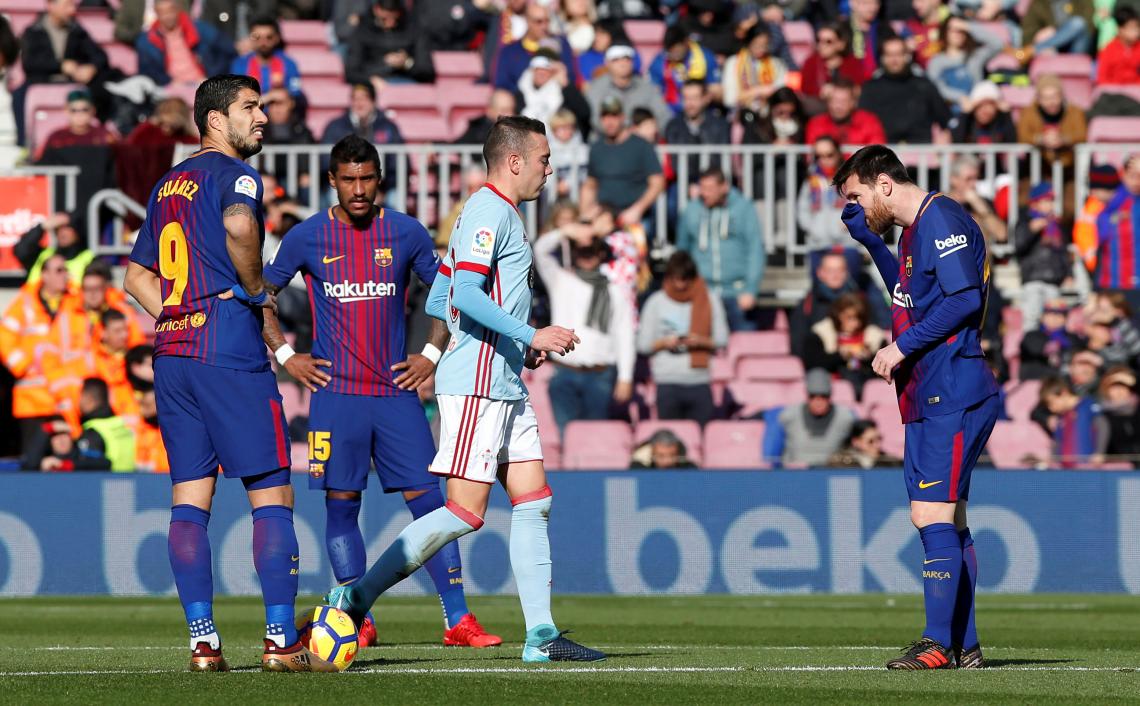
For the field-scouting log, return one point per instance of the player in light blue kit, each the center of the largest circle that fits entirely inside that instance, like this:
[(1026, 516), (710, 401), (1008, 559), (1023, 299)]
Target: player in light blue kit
[(488, 428)]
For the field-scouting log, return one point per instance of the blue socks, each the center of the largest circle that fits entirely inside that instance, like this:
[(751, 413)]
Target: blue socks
[(414, 546), (343, 538), (276, 560), (530, 559), (190, 561), (941, 571), (964, 633), (445, 567)]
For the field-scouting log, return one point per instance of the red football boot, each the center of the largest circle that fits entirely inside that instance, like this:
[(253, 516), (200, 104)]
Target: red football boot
[(469, 633), (366, 635), (206, 659)]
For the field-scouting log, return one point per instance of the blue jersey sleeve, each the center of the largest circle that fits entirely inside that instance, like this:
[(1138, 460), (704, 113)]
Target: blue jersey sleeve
[(289, 258), (143, 251), (425, 261), (241, 185), (954, 254)]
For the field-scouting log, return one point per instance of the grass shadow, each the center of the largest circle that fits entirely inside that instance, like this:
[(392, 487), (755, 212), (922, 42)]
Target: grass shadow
[(1024, 662)]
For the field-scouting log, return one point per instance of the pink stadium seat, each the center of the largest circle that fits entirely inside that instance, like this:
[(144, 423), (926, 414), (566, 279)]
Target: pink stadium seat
[(1005, 62), (9, 7), (843, 393), (784, 368), (45, 101), (1130, 90), (423, 129), (733, 445), (411, 95), (1017, 97), (1106, 128), (758, 343), (722, 370), (1021, 400), (463, 65), (596, 446), (801, 40), (21, 20), (304, 33), (99, 25), (647, 32), (689, 432), (468, 102), (1012, 317), (999, 30), (318, 118), (1011, 442), (1075, 72), (1115, 466), (291, 401), (755, 397), (317, 61), (889, 423), (122, 57)]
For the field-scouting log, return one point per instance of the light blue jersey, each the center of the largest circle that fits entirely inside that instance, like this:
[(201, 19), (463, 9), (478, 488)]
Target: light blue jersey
[(489, 239)]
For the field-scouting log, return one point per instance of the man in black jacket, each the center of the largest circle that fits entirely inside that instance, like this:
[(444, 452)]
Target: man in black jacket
[(388, 46), (501, 103), (906, 102), (697, 125)]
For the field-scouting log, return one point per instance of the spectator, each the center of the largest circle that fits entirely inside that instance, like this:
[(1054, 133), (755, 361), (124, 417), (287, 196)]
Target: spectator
[(140, 366), (1080, 431), (832, 279), (961, 64), (965, 171), (698, 124), (104, 433), (845, 342), (907, 103), (866, 32), (984, 119), (681, 60), (831, 60), (452, 25), (54, 449), (501, 103), (721, 231), (1118, 404), (9, 51), (748, 15), (607, 33), (1050, 26), (600, 370), (1117, 258), (506, 27), (661, 451), (514, 58), (545, 88), (568, 152), (1104, 180), (179, 49), (622, 82), (864, 449), (843, 121), (924, 31), (24, 337), (1043, 254), (388, 47), (1047, 349), (623, 171), (268, 62), (752, 75), (681, 326), (104, 358), (1051, 124), (644, 125), (474, 177), (576, 20), (783, 125), (819, 206), (816, 429), (83, 128), (150, 451), (1119, 62), (364, 119), (77, 328), (286, 127), (170, 125), (1111, 332), (57, 235), (710, 23)]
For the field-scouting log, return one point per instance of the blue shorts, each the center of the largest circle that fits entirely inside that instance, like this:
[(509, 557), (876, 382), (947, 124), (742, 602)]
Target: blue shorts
[(940, 452), (211, 415), (348, 433)]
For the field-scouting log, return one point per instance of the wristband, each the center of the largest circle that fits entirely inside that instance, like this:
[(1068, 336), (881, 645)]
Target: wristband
[(284, 353), (431, 353)]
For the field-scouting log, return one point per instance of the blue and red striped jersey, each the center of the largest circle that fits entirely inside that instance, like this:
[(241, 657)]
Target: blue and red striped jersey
[(942, 253), (357, 282), (1076, 435), (1118, 242), (183, 240)]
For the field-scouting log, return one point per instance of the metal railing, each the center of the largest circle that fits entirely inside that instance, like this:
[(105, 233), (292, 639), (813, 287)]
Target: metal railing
[(1086, 155), (63, 181), (120, 206)]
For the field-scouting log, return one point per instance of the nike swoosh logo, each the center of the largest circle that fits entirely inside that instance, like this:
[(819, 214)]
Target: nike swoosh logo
[(454, 569), (294, 558), (931, 561), (329, 260), (924, 485)]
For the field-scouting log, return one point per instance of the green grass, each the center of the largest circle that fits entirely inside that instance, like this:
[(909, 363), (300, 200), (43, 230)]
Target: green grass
[(1058, 649)]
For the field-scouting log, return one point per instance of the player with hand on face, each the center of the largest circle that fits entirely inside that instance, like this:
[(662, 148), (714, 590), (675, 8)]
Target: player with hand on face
[(488, 428), (357, 259), (947, 394), (196, 268)]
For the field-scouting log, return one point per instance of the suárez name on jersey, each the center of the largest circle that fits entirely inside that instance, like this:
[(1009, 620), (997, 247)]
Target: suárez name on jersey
[(952, 244), (359, 291)]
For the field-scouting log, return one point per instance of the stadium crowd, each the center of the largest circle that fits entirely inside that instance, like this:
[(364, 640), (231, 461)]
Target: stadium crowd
[(682, 337)]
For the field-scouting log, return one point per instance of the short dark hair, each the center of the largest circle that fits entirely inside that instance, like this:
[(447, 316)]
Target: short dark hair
[(9, 43), (97, 388), (884, 40), (391, 6), (713, 173), (353, 149), (640, 115), (675, 35), (510, 133), (859, 428), (695, 82), (218, 93), (1054, 386), (844, 83), (265, 21), (110, 316), (868, 163), (1123, 14), (367, 88), (760, 29), (98, 268), (681, 265)]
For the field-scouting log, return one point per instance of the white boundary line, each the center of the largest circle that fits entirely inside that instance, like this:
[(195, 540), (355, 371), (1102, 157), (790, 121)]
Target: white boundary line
[(663, 648)]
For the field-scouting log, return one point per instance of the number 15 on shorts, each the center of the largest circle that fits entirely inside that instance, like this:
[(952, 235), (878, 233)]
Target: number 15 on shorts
[(320, 448)]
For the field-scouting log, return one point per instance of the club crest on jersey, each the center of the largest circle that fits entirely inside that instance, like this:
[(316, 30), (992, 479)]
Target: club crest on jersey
[(909, 265), (197, 319), (382, 256), (246, 185), (483, 243)]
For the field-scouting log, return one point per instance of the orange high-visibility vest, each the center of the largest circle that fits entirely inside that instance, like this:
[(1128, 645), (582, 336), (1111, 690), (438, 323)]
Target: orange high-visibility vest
[(25, 331), (150, 453)]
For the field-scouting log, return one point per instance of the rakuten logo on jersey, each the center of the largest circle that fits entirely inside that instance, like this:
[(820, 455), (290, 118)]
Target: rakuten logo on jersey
[(345, 292), (901, 298), (950, 245)]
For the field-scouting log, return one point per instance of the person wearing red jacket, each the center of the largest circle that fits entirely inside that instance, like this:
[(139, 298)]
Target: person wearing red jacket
[(1119, 61), (831, 60), (843, 121)]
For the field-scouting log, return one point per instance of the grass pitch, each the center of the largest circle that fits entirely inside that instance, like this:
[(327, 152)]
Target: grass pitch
[(1062, 649)]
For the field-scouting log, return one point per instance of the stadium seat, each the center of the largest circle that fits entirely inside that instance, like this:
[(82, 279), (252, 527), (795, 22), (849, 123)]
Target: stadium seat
[(1110, 128), (879, 393), (423, 129), (304, 33), (650, 33), (1130, 90), (99, 25), (464, 104), (122, 57), (1011, 442), (1075, 72), (783, 368), (10, 7), (722, 369), (999, 30), (1018, 97), (801, 40), (1022, 398), (733, 445), (755, 397), (889, 423), (299, 455), (1012, 317), (689, 432), (317, 61), (457, 66), (843, 392), (758, 343), (596, 446), (1004, 62), (43, 101), (291, 401), (20, 20)]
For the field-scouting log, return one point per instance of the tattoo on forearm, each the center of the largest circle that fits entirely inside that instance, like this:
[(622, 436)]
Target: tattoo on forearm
[(239, 209)]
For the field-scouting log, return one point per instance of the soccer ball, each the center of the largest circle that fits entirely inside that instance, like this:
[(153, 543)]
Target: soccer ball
[(329, 634)]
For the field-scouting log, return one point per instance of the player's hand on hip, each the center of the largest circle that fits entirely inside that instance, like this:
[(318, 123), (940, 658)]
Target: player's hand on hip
[(264, 299), (856, 221), (307, 370), (555, 339), (886, 360), (534, 359), (416, 371)]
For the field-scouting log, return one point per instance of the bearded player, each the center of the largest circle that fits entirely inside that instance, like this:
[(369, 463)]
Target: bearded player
[(357, 259), (489, 430), (947, 395), (196, 268)]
